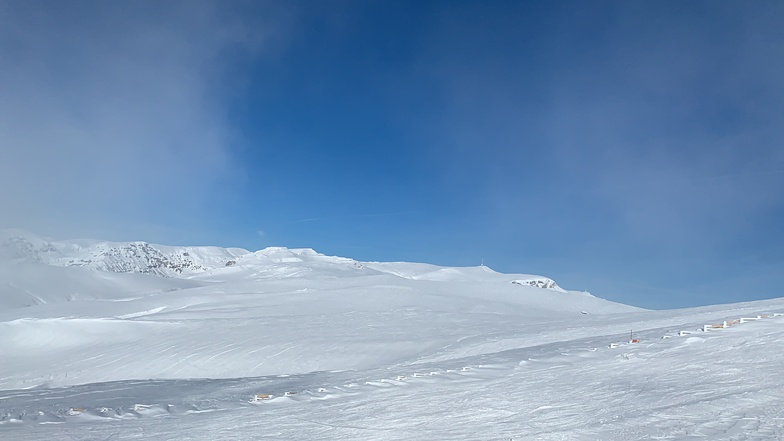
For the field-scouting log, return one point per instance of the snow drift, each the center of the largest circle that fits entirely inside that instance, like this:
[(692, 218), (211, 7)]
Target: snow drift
[(339, 349)]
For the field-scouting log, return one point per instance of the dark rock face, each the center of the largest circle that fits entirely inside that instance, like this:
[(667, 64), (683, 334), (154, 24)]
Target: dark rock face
[(139, 257), (543, 283)]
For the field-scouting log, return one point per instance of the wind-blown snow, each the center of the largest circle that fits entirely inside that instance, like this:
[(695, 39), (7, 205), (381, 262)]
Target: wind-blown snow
[(95, 338)]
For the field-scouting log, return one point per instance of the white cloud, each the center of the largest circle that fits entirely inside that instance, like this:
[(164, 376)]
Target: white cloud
[(114, 110)]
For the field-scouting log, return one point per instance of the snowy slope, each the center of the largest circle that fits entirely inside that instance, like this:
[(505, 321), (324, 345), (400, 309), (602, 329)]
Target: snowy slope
[(368, 350), (127, 257), (26, 283)]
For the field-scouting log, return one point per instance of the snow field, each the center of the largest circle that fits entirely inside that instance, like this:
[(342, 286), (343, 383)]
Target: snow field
[(248, 328), (292, 344), (689, 387)]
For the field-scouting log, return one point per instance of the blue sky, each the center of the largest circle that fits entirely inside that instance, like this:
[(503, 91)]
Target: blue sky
[(632, 149)]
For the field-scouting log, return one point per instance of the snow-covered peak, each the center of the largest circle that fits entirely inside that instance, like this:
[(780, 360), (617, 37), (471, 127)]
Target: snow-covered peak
[(283, 254), (426, 271), (116, 257), (142, 257), (423, 271), (24, 245), (222, 263), (539, 282), (284, 263)]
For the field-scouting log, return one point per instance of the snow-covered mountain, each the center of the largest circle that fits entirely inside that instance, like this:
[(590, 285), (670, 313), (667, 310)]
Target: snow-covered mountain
[(23, 245), (97, 338), (116, 257), (22, 251)]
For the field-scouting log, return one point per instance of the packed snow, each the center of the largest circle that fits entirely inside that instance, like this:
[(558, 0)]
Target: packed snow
[(103, 340)]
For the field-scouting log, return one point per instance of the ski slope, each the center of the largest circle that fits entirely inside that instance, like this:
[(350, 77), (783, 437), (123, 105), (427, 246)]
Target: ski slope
[(292, 344)]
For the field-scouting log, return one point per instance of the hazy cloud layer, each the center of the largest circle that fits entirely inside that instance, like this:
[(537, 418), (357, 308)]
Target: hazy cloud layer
[(645, 134), (115, 112), (670, 118)]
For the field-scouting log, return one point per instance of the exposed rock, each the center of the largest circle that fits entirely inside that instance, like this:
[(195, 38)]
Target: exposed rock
[(539, 282)]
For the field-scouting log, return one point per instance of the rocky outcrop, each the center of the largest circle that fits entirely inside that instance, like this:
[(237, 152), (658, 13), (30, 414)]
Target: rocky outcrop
[(539, 282), (138, 257)]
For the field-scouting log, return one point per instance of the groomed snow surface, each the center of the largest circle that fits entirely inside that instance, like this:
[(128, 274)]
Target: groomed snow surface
[(291, 344)]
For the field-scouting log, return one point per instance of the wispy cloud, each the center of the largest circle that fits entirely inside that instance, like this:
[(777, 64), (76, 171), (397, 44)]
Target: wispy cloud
[(618, 133), (639, 129), (352, 216), (113, 112), (310, 219)]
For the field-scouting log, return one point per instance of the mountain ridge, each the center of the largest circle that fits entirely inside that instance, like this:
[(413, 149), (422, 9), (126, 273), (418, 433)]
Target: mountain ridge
[(45, 274), (189, 261)]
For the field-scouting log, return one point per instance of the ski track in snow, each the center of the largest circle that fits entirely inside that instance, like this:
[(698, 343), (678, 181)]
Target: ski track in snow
[(683, 387), (292, 344)]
